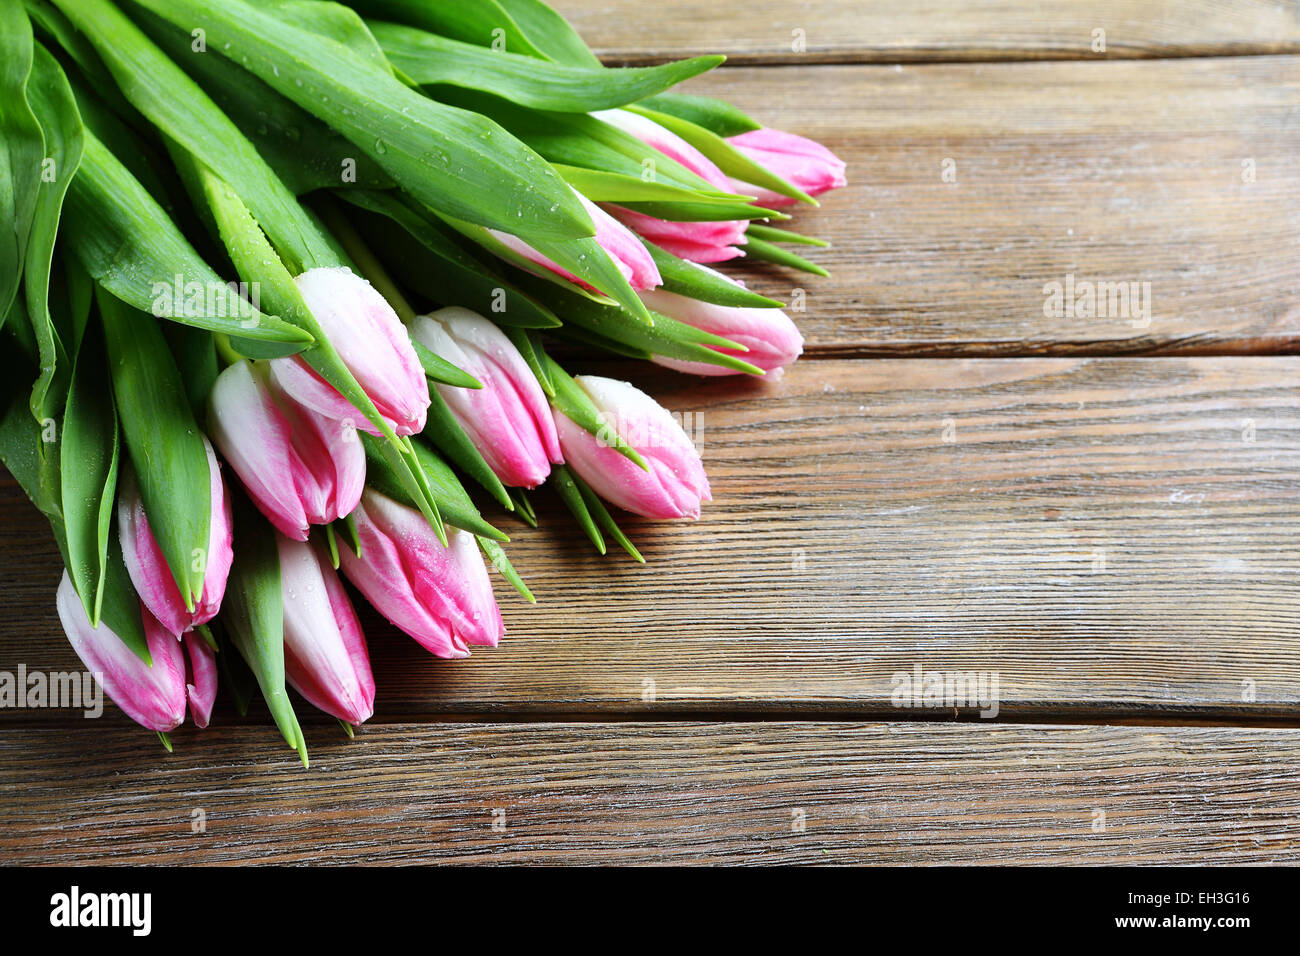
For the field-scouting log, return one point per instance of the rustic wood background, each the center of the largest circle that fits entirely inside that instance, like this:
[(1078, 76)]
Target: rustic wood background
[(1105, 515)]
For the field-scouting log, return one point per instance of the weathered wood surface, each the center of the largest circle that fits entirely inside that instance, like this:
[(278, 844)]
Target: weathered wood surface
[(1114, 538), (853, 31), (799, 792), (1132, 172), (1111, 536)]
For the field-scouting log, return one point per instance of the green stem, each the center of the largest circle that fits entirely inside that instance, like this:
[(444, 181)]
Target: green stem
[(366, 261), (205, 632), (333, 542), (225, 351)]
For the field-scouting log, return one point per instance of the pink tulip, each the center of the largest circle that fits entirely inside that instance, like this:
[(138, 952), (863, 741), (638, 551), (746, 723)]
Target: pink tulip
[(625, 250), (150, 574), (371, 340), (666, 142), (692, 241), (325, 656), (675, 483), (695, 241), (798, 160), (441, 596), (299, 467), (153, 696), (771, 338), (508, 419)]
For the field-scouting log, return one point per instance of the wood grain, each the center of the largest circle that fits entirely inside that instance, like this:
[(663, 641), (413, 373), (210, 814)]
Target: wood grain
[(1113, 539), (653, 793), (763, 31), (1110, 536), (1113, 172)]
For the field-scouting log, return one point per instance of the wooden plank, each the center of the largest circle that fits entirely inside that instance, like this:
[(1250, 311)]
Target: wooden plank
[(1111, 172), (777, 31), (1108, 536), (659, 793)]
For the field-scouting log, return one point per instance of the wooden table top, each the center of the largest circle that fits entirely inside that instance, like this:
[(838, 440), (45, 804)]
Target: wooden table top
[(1101, 512)]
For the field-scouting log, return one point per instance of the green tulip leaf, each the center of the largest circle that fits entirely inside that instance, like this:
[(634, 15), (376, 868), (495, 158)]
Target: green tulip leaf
[(717, 116), (90, 440), (436, 265), (428, 58), (162, 440), (688, 279), (253, 615), (458, 162), (21, 149), (765, 251), (132, 248), (52, 101)]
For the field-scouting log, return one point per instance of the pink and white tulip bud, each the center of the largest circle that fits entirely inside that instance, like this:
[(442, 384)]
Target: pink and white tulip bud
[(770, 336), (799, 161), (299, 467), (153, 696), (325, 656), (508, 419), (625, 250), (441, 596), (675, 483), (150, 573), (371, 340), (694, 241)]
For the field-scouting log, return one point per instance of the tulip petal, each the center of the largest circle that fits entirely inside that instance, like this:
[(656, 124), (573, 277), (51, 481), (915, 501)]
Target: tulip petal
[(674, 484), (373, 343), (148, 569), (257, 441), (628, 254), (324, 653), (153, 697), (439, 595), (201, 690), (770, 338), (667, 142), (798, 160), (507, 419)]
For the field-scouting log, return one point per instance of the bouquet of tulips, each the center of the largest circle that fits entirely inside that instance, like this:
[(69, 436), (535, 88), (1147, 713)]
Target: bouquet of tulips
[(226, 221)]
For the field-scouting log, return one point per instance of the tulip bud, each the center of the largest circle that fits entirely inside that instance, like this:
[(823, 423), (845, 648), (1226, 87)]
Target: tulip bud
[(371, 340), (441, 596), (771, 338), (694, 241), (153, 696), (626, 251), (800, 161), (508, 419), (675, 483), (325, 656), (150, 573), (299, 467)]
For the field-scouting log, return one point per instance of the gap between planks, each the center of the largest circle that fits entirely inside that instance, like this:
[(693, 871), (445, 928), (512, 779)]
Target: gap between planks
[(636, 792), (1124, 171)]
